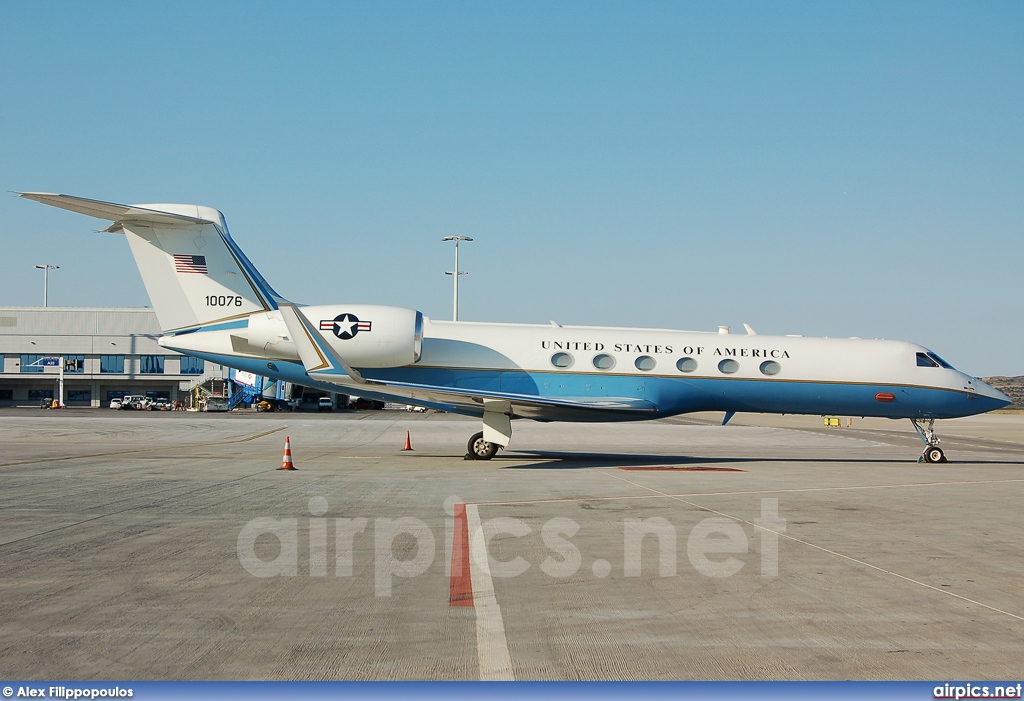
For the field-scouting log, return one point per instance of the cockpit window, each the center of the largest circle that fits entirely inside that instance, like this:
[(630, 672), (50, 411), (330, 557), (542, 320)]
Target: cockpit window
[(923, 361), (940, 361)]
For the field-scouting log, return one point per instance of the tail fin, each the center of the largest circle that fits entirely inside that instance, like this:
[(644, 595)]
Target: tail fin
[(194, 273)]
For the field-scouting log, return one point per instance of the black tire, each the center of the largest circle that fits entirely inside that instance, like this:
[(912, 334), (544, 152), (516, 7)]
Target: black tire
[(479, 449), (934, 454)]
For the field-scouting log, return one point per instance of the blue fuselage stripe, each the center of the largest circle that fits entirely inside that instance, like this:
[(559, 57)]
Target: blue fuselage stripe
[(671, 395)]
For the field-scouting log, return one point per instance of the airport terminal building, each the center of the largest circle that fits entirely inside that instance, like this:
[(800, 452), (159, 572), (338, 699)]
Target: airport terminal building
[(105, 353)]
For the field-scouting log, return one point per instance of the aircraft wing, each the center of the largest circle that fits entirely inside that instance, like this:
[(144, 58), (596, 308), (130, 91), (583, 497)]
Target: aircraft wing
[(415, 391), (323, 364)]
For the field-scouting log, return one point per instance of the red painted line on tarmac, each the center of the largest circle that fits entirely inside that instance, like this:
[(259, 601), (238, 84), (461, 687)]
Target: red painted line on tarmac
[(679, 468), (460, 583)]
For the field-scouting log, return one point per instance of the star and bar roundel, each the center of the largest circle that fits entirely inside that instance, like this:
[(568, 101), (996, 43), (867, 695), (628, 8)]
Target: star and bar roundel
[(344, 326)]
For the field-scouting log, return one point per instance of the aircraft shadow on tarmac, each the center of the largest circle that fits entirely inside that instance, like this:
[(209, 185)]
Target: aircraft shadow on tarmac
[(559, 460)]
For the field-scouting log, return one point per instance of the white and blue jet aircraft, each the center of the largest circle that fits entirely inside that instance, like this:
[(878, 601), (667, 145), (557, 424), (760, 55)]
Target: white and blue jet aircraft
[(212, 303)]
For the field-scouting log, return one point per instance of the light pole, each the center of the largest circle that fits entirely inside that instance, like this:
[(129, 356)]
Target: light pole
[(455, 275), (46, 272)]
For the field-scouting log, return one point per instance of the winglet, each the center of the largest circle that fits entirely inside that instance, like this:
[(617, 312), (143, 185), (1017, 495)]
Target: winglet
[(319, 359)]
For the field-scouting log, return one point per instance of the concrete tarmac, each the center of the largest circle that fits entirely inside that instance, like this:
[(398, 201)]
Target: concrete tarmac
[(167, 545)]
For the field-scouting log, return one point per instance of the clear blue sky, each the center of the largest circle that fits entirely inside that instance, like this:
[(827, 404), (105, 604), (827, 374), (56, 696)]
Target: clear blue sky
[(818, 168)]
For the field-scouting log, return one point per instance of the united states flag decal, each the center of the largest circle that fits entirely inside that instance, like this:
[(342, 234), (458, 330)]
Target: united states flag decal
[(190, 264)]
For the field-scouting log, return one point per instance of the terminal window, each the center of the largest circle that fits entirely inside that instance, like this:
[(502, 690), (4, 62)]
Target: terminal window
[(31, 362), (192, 366), (113, 364), (40, 394), (151, 364), (79, 395), (74, 363)]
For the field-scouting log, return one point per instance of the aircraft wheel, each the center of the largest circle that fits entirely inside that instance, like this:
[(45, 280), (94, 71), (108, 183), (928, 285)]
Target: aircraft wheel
[(479, 449), (934, 454)]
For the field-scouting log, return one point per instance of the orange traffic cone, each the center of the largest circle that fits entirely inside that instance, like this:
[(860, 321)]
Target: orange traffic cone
[(286, 462), (408, 441)]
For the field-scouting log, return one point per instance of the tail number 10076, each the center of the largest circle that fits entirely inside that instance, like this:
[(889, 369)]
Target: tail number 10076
[(223, 301)]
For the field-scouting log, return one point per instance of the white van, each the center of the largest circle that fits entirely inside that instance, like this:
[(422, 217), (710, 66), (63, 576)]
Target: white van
[(134, 401)]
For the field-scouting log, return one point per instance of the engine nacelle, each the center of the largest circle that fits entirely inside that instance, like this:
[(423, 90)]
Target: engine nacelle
[(370, 335)]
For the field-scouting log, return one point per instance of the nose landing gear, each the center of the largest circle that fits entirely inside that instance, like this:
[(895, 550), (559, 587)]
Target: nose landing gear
[(932, 452)]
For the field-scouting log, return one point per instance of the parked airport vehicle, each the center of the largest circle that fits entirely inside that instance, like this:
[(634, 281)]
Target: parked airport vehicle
[(137, 402), (325, 404), (215, 404), (115, 403), (212, 303)]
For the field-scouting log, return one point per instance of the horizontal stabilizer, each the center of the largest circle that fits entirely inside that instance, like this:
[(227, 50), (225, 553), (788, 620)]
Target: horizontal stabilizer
[(113, 212)]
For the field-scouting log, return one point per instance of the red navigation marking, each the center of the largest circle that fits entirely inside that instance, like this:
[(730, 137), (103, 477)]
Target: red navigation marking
[(460, 583), (679, 468)]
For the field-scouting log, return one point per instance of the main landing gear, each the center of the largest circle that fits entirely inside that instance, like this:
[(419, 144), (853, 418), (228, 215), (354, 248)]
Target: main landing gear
[(932, 452), (479, 449), (497, 431)]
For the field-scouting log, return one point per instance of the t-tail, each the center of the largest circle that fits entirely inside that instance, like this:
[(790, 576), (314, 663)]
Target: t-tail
[(196, 276)]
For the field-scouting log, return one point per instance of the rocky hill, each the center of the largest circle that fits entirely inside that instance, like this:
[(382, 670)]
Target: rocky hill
[(1012, 386)]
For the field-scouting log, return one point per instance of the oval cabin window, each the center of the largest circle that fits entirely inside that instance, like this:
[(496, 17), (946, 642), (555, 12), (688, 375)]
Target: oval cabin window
[(686, 365), (561, 360), (645, 363)]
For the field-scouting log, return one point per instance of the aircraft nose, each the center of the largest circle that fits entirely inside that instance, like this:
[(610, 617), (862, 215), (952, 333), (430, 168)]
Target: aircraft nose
[(995, 397)]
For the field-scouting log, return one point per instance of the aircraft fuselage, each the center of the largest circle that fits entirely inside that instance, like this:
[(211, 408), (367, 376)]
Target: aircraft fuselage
[(672, 372)]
